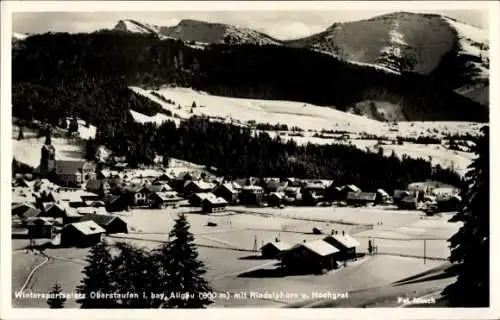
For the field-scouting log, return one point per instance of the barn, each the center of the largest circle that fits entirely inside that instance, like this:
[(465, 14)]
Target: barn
[(111, 224), (361, 198), (344, 243), (81, 234), (310, 257), (272, 250)]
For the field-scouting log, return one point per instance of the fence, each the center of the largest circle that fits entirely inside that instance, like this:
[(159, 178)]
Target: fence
[(425, 248)]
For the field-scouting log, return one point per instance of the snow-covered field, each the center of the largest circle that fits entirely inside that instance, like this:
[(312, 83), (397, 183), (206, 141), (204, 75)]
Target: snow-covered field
[(292, 113), (28, 150), (232, 267)]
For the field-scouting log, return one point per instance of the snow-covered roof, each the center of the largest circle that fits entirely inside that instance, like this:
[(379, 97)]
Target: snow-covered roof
[(281, 246), (218, 200), (345, 239), (319, 247), (86, 227)]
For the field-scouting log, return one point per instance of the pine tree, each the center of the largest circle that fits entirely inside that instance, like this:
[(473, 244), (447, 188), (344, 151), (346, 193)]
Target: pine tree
[(180, 270), (470, 245), (134, 272), (97, 278), (57, 300)]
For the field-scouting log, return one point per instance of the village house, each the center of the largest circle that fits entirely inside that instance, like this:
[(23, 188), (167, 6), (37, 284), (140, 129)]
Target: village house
[(361, 198), (111, 224), (310, 197), (198, 187), (40, 228), (210, 205), (160, 200), (346, 189), (81, 234), (74, 173), (137, 195), (275, 199), (228, 192), (334, 193), (408, 202), (196, 199), (293, 193), (382, 196), (20, 208), (251, 195), (344, 243), (272, 185), (400, 194), (30, 213), (114, 203), (272, 250), (313, 256)]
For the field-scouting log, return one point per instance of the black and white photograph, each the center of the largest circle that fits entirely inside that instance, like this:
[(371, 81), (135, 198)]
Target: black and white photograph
[(194, 157)]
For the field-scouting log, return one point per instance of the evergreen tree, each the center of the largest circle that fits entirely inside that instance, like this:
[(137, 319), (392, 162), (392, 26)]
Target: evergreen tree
[(20, 136), (166, 161), (57, 300), (134, 272), (470, 245), (180, 270), (97, 278)]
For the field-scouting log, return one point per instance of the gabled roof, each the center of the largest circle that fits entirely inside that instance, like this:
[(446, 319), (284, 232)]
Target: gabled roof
[(165, 196), (382, 192), (218, 200), (34, 221), (230, 187), (202, 185), (319, 247), (252, 188), (344, 239), (278, 195), (204, 195), (86, 227), (31, 212), (101, 219), (156, 187), (19, 209), (365, 196), (401, 193), (352, 188), (281, 246)]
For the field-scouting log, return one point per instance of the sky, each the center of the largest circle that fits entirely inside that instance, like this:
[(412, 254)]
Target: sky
[(278, 24)]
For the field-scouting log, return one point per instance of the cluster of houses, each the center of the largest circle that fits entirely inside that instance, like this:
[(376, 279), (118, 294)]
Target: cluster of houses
[(430, 196), (314, 256), (75, 199), (65, 217)]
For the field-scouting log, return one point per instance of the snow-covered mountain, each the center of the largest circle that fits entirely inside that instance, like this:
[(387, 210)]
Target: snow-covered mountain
[(199, 32), (410, 42), (134, 26)]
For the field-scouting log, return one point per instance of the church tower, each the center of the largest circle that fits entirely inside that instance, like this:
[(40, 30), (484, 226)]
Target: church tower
[(48, 157)]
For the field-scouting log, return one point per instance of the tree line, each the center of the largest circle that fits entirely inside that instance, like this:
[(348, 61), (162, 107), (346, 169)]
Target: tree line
[(240, 152)]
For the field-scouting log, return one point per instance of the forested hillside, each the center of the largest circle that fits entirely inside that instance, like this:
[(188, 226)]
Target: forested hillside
[(266, 72), (87, 76)]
